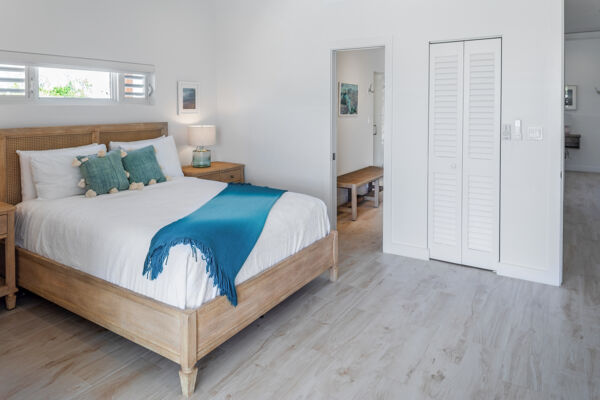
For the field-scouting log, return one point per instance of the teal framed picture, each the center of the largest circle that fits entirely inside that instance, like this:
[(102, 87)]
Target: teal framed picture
[(348, 99), (571, 97)]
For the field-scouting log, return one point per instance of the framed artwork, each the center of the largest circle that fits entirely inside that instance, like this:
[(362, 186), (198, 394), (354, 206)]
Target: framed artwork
[(570, 97), (187, 97), (348, 99)]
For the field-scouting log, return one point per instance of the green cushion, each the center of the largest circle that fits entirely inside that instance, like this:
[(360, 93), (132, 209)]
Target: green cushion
[(143, 166), (102, 174)]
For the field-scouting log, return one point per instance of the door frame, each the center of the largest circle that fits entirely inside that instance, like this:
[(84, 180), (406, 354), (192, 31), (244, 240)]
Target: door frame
[(378, 128), (362, 44)]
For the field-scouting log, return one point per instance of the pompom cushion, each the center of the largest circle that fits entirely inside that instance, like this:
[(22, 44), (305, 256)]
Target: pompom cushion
[(166, 152), (103, 173), (143, 166)]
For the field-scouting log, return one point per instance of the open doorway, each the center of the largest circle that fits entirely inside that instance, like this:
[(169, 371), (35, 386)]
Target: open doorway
[(582, 142), (359, 104)]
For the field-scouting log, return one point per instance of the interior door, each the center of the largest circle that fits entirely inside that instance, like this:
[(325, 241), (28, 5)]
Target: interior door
[(481, 153), (445, 150)]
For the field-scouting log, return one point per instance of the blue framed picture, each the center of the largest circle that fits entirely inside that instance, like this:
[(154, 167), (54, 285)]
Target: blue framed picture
[(187, 97)]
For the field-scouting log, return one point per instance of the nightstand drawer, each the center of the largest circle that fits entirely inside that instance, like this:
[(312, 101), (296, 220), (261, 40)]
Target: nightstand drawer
[(233, 175), (211, 177), (3, 224), (218, 171)]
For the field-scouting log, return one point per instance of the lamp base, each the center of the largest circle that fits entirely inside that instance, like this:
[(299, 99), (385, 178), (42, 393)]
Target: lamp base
[(201, 158)]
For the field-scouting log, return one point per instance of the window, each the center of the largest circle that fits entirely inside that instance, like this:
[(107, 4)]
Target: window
[(73, 84), (12, 80), (26, 77)]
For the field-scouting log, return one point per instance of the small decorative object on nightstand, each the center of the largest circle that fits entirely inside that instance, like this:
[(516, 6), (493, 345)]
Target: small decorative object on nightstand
[(200, 136), (218, 171), (8, 286)]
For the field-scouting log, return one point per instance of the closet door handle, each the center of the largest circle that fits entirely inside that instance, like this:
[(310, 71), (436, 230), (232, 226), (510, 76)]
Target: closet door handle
[(453, 165)]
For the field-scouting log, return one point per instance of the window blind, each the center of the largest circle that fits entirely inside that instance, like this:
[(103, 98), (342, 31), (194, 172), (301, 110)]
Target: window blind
[(12, 80), (134, 86)]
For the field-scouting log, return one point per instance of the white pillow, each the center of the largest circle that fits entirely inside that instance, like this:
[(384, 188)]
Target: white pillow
[(28, 191), (54, 175), (166, 152)]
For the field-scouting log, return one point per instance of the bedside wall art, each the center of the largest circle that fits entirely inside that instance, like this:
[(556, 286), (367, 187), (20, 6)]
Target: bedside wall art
[(187, 97)]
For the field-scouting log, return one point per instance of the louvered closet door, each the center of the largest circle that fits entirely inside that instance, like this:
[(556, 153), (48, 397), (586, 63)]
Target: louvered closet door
[(481, 153), (445, 150)]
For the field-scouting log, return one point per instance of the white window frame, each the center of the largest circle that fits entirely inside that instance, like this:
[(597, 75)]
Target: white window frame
[(117, 70), (35, 92)]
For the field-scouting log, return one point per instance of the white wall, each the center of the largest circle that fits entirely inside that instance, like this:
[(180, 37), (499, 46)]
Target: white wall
[(177, 37), (582, 68), (272, 62), (355, 132), (274, 92)]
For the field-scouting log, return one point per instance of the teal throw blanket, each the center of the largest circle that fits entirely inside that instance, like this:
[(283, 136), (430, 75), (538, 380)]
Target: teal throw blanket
[(224, 230)]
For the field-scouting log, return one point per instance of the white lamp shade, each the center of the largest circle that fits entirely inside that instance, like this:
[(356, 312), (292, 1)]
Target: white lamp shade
[(202, 135)]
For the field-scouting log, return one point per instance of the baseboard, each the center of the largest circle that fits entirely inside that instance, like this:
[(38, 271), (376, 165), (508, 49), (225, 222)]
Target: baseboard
[(582, 168), (502, 269), (528, 274), (582, 35), (406, 250)]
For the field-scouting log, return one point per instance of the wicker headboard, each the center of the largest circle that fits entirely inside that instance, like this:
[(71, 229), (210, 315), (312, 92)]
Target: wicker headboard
[(57, 137)]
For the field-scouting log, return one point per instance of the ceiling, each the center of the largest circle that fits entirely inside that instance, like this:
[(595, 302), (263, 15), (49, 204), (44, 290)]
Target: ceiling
[(582, 16)]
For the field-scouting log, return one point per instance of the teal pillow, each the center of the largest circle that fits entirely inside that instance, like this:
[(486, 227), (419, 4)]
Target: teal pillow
[(143, 166), (103, 172)]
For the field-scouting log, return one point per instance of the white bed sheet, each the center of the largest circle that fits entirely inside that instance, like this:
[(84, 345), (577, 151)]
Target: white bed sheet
[(109, 236)]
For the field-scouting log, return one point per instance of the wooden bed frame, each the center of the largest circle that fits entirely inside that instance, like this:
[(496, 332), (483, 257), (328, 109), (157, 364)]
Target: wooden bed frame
[(183, 336)]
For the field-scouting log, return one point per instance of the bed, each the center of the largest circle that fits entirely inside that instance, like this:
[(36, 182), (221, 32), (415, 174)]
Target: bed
[(178, 316)]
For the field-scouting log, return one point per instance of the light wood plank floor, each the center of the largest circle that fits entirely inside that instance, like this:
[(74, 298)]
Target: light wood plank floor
[(390, 328)]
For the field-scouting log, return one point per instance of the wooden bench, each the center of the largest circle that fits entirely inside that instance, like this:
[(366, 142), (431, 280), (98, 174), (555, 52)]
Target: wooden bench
[(352, 180)]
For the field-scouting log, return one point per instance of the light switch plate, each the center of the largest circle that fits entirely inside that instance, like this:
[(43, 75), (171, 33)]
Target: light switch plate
[(506, 131), (517, 133), (535, 133)]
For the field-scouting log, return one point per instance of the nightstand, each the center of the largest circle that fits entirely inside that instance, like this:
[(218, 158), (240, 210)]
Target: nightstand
[(218, 171), (8, 286)]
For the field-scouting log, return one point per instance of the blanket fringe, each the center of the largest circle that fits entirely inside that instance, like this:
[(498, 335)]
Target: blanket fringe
[(155, 261)]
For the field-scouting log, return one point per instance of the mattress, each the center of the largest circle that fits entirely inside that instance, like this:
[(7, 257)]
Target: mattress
[(109, 236)]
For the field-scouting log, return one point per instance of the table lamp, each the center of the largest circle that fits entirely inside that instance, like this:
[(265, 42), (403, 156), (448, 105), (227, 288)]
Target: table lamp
[(200, 136)]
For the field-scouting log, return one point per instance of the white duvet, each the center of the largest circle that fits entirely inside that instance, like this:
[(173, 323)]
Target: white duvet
[(108, 236)]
